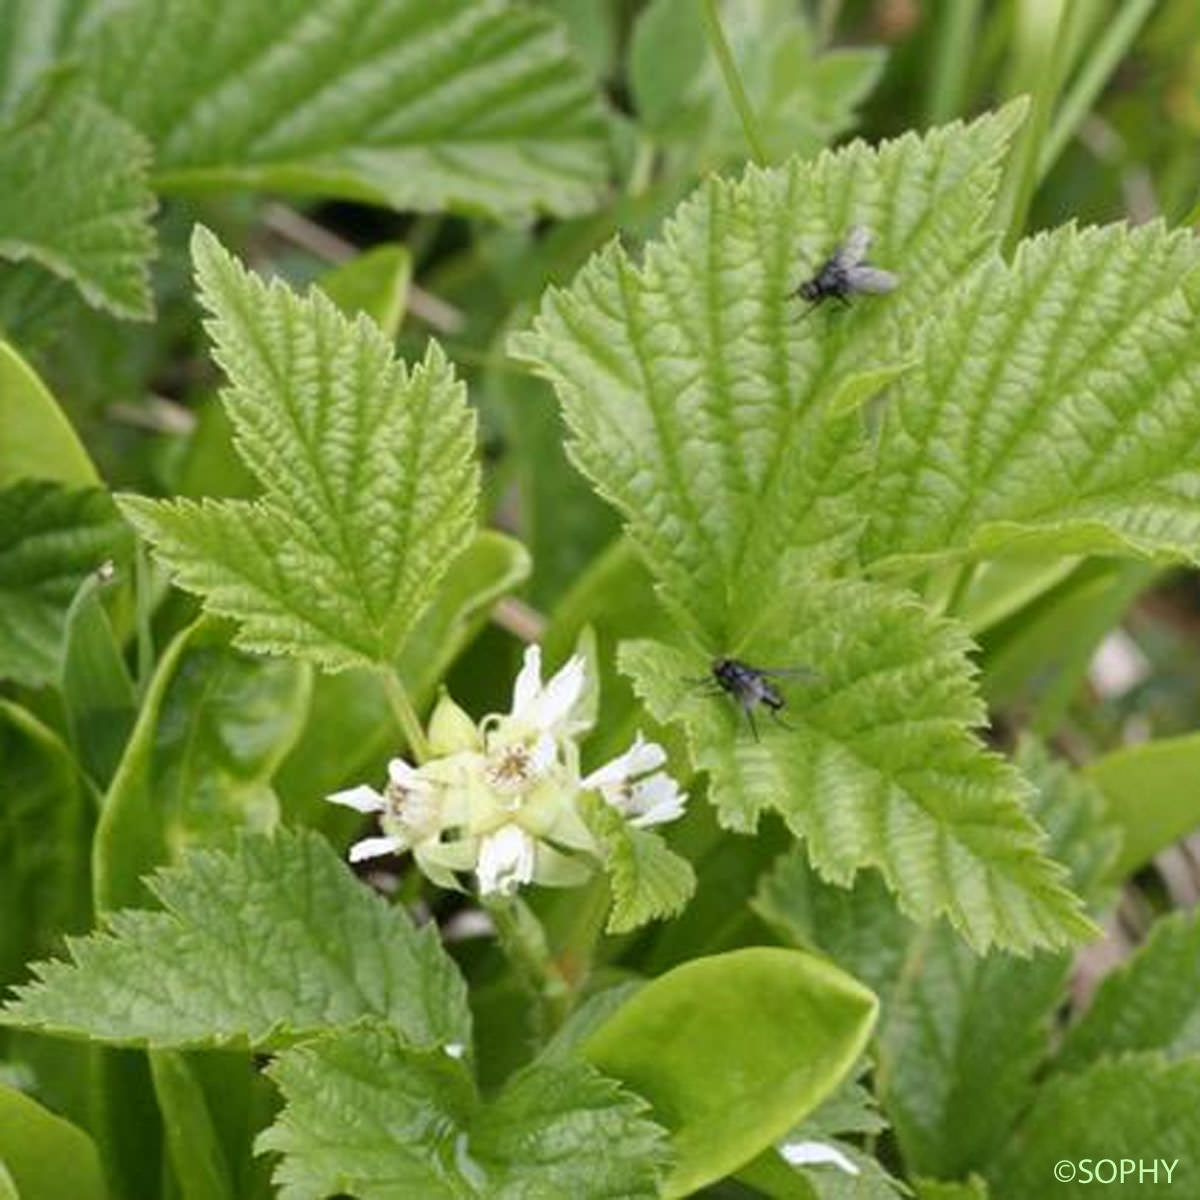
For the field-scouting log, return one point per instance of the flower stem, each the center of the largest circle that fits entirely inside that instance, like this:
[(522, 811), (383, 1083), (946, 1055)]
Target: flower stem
[(523, 941), (733, 80), (143, 582), (406, 716)]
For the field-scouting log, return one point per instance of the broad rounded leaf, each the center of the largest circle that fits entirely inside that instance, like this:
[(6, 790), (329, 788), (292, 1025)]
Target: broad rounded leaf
[(878, 764), (1053, 407), (43, 1155), (367, 1115), (368, 471), (254, 948), (700, 397), (761, 1034), (475, 105), (76, 201)]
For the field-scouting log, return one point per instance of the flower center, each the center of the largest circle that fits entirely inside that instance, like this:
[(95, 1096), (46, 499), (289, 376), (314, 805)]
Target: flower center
[(510, 769)]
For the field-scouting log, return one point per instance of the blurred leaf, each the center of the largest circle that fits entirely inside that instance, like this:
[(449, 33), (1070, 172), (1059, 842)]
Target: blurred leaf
[(46, 815), (375, 283), (368, 469), (1133, 1108), (38, 441), (1151, 794), (196, 1155), (1078, 442), (879, 765), (76, 201), (473, 105), (975, 1188), (697, 400), (51, 538), (213, 727), (219, 966), (762, 1033), (1150, 1002), (44, 1156), (97, 692), (33, 36), (367, 1114)]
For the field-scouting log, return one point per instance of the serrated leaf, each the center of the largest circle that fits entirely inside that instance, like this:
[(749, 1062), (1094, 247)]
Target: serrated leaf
[(762, 1032), (1052, 407), (1133, 1109), (51, 538), (367, 1115), (880, 766), (214, 725), (368, 473), (255, 948), (77, 202), (697, 398), (649, 880), (474, 105), (1150, 1002)]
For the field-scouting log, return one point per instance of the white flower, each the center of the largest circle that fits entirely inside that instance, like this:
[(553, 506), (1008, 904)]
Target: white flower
[(547, 708), (635, 787), (410, 811), (506, 860)]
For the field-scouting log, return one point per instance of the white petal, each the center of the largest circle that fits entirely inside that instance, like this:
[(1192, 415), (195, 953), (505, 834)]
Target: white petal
[(375, 847), (402, 775), (455, 1049), (506, 860), (544, 751), (657, 805), (641, 757), (805, 1154), (362, 798), (529, 682), (560, 694)]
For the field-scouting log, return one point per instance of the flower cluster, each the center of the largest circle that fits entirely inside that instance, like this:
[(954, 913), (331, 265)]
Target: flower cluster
[(501, 798)]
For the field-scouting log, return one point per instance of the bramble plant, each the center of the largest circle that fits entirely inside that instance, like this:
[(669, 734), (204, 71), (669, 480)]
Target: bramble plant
[(400, 800)]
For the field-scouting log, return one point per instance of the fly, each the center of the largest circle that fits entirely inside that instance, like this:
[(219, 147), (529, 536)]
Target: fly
[(843, 273), (751, 687)]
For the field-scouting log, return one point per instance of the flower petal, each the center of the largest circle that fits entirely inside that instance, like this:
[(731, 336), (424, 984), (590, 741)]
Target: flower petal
[(529, 682), (656, 800), (406, 776), (558, 697), (641, 757), (803, 1154), (362, 799), (375, 847), (506, 860)]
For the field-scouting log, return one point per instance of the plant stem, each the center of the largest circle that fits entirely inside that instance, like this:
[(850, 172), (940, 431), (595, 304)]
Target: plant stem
[(406, 716), (733, 80), (956, 35), (828, 12), (1113, 45), (142, 583), (523, 941), (960, 588)]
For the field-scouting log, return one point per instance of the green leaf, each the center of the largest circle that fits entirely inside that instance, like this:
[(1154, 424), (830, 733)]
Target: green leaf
[(213, 728), (1137, 1107), (879, 765), (368, 473), (1151, 795), (46, 815), (367, 1115), (649, 880), (33, 36), (801, 99), (476, 105), (763, 1033), (375, 283), (255, 948), (1052, 407), (51, 537), (196, 1154), (97, 692), (975, 1188), (77, 202), (697, 398), (41, 1153), (1150, 1002), (38, 441)]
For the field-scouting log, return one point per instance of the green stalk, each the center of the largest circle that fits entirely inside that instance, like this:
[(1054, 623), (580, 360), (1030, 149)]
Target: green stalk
[(956, 35), (142, 583), (1113, 45), (733, 81), (523, 942), (406, 716)]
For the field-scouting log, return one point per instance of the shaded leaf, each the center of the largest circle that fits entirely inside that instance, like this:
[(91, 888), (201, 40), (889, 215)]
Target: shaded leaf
[(41, 1152)]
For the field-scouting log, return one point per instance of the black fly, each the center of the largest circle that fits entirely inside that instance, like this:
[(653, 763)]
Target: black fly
[(752, 686), (844, 273)]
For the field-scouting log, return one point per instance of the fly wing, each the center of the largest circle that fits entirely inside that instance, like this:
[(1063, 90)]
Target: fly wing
[(871, 279), (853, 248), (789, 672)]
